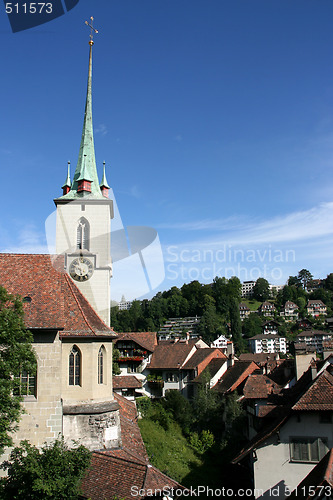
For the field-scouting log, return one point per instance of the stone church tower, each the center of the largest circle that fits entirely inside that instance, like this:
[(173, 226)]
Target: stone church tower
[(83, 220)]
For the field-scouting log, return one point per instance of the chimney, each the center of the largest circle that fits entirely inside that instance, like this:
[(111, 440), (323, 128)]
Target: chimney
[(313, 366)]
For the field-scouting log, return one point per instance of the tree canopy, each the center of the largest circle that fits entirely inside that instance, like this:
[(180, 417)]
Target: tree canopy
[(16, 358), (261, 290), (54, 472)]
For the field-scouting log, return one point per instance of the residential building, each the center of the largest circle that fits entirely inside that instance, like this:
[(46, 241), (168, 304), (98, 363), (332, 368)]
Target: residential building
[(244, 311), (290, 311), (128, 386), (268, 342), (267, 309), (318, 483), (274, 289), (213, 372), (297, 436), (224, 344), (271, 327), (179, 328), (135, 350), (235, 377), (316, 308), (124, 305), (176, 365), (247, 289), (314, 338)]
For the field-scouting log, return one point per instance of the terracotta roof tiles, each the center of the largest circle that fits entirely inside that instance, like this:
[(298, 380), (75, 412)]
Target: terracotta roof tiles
[(126, 382), (319, 396), (147, 340), (170, 356), (56, 303)]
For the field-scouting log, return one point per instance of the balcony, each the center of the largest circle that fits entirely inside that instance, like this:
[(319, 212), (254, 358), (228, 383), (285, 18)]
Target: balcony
[(155, 383), (124, 359)]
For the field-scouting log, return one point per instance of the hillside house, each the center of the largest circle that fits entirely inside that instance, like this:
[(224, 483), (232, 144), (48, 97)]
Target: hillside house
[(290, 311), (244, 311), (297, 436), (267, 309), (316, 308)]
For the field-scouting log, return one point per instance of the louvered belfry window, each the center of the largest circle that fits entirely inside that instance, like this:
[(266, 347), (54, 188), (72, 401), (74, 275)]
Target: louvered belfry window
[(75, 366), (82, 234)]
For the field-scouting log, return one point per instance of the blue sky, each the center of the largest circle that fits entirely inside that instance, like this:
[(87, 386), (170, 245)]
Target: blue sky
[(214, 117)]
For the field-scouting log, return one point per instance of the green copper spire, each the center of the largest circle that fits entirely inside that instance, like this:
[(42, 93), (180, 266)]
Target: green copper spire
[(68, 180), (104, 182), (86, 165)]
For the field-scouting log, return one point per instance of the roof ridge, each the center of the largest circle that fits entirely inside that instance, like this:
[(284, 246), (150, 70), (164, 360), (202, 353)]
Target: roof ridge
[(110, 453)]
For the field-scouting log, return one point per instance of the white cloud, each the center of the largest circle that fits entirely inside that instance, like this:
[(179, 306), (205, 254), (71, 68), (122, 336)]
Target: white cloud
[(303, 225), (101, 129)]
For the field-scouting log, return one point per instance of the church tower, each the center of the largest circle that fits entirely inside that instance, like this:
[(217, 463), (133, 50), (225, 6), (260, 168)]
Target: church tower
[(84, 213)]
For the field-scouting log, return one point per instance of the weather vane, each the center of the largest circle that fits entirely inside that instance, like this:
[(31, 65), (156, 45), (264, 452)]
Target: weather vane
[(92, 30)]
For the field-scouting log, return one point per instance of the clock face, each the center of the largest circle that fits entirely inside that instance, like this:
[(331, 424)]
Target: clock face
[(81, 269)]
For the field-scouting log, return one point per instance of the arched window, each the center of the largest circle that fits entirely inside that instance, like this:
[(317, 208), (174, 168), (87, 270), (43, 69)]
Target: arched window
[(75, 366), (82, 234), (101, 363)]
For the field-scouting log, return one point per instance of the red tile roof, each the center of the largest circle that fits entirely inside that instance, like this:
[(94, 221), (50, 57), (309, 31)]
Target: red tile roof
[(130, 433), (235, 376), (126, 382), (211, 369), (260, 387), (147, 340), (124, 476), (124, 472), (319, 396), (170, 356), (201, 355), (56, 302)]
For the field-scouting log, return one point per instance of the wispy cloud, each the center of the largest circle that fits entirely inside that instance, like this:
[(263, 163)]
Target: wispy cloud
[(303, 225), (178, 138), (101, 129), (28, 240)]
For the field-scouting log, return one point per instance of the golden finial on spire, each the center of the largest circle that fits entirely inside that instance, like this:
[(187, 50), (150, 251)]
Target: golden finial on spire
[(92, 30)]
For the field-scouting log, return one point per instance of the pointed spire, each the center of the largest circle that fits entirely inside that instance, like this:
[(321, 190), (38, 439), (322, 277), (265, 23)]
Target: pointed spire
[(85, 180), (67, 186), (104, 184)]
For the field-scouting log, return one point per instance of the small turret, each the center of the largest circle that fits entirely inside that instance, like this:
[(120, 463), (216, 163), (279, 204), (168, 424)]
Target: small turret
[(104, 186), (67, 186)]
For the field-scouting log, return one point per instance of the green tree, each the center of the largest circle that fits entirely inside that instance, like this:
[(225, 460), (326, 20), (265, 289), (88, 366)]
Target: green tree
[(328, 282), (54, 472), (17, 356), (304, 277), (261, 290), (294, 281), (236, 326), (115, 357), (252, 325)]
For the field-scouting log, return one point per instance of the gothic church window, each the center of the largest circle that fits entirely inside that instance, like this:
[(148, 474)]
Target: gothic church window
[(101, 363), (82, 234), (75, 366)]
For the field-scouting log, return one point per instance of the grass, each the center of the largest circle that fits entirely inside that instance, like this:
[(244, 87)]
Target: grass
[(168, 450), (252, 304)]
